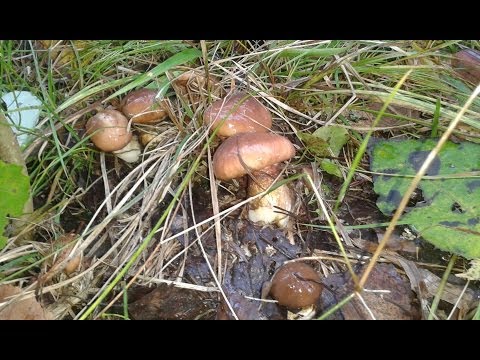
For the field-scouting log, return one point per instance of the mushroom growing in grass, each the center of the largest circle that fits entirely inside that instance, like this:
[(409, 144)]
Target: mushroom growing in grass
[(109, 132), (296, 285), (239, 113), (259, 155), (195, 85), (142, 107)]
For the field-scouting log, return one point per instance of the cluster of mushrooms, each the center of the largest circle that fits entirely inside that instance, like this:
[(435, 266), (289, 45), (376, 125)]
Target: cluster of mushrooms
[(250, 148), (109, 129)]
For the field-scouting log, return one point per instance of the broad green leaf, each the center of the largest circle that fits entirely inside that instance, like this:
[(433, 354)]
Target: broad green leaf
[(334, 136), (315, 145), (449, 215), (330, 167), (326, 141), (14, 192)]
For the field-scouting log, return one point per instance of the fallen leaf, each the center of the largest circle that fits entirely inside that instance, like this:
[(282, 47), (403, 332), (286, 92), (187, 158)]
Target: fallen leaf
[(395, 243), (170, 303), (28, 309), (326, 141), (449, 215), (425, 284), (451, 292), (261, 251), (387, 296)]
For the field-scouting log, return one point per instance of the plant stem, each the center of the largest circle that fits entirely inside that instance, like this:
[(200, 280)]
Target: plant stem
[(441, 287)]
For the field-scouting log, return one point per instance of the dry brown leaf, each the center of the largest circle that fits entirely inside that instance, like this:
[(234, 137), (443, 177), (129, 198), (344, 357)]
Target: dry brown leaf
[(451, 292), (388, 295), (425, 284), (28, 309), (170, 303), (395, 243), (62, 51), (366, 118)]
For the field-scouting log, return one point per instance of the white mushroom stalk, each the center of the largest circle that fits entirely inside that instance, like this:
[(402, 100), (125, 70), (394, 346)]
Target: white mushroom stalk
[(266, 209)]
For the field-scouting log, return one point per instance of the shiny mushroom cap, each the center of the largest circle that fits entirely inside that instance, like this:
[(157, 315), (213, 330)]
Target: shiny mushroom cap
[(142, 107), (296, 285), (243, 153), (109, 130), (239, 113)]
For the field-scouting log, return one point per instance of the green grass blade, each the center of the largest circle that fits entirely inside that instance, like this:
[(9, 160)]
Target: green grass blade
[(314, 53), (338, 306), (177, 59), (91, 90), (363, 146), (441, 287), (435, 121)]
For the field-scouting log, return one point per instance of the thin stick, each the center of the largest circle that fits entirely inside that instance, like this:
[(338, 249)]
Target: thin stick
[(216, 210)]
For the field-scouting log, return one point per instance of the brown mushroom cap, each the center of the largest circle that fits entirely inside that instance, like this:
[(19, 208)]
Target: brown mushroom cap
[(296, 285), (242, 153), (239, 113), (142, 107), (109, 130)]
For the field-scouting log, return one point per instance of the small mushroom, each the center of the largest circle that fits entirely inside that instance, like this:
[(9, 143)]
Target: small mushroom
[(239, 113), (296, 285), (142, 107), (108, 130), (196, 85), (74, 263), (258, 154)]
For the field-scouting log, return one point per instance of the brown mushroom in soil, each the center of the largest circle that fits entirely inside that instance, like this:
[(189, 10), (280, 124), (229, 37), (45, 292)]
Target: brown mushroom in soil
[(258, 155), (142, 107), (239, 113), (108, 130), (69, 240), (296, 285), (195, 85)]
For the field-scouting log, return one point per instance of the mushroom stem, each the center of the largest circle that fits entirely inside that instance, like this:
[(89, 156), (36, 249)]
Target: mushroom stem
[(267, 209), (131, 152)]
